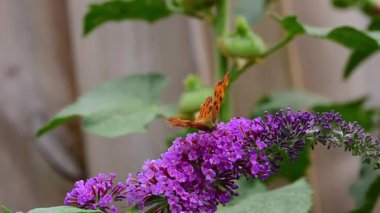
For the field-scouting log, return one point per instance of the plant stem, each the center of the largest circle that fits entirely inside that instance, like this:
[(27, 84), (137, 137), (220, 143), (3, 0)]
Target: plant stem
[(221, 29), (285, 40), (278, 45)]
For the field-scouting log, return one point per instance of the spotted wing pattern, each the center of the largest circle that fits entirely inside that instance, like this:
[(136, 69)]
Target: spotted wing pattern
[(177, 122), (219, 93), (208, 112), (205, 113)]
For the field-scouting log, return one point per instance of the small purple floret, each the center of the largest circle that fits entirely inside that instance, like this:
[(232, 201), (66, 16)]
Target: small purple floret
[(97, 193), (199, 171)]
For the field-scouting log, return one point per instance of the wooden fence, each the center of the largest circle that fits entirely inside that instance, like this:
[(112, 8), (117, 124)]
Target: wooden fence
[(45, 64)]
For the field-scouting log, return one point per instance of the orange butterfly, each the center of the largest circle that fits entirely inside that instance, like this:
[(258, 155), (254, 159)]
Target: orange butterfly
[(209, 110)]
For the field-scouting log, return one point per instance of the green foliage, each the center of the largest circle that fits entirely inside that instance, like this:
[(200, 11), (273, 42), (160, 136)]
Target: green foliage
[(366, 189), (118, 107), (355, 59), (370, 7), (293, 171), (194, 6), (4, 209), (117, 10), (363, 43), (347, 36), (63, 209), (132, 210), (374, 24), (250, 186), (359, 56), (295, 198), (344, 3), (291, 25), (247, 188)]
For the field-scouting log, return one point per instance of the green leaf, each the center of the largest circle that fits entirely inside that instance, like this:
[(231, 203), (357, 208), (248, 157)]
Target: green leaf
[(347, 36), (363, 43), (353, 38), (366, 189), (295, 198), (374, 24), (117, 107), (293, 171), (247, 188), (358, 57), (344, 3), (4, 209), (252, 10), (355, 59), (291, 25), (296, 100), (132, 210), (251, 186), (63, 209), (118, 10), (351, 111)]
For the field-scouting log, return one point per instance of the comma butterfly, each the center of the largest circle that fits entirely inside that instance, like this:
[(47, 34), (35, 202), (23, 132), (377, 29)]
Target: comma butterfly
[(208, 112)]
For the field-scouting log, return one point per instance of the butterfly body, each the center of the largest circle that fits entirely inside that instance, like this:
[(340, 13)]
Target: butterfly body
[(208, 112)]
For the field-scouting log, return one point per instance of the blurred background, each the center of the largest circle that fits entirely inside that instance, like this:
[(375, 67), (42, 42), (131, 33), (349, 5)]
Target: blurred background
[(45, 64)]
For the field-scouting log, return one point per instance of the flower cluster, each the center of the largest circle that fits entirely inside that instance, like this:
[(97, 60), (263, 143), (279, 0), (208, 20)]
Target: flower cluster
[(97, 193), (199, 171)]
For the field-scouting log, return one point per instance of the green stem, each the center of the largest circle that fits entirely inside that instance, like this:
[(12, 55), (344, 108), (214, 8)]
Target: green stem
[(278, 45), (281, 43), (221, 29)]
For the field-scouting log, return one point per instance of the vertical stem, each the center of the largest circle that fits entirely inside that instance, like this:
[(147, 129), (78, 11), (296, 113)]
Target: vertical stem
[(221, 29)]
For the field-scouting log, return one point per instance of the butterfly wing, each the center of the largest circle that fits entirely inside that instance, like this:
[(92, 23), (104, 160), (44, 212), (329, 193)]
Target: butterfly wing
[(209, 109), (219, 93), (205, 113), (176, 122)]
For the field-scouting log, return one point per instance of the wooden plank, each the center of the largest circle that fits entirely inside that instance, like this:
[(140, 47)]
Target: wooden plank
[(124, 48), (323, 63), (298, 82), (35, 82), (269, 75), (130, 47)]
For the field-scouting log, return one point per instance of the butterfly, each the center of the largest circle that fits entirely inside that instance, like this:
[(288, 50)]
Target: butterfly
[(209, 109)]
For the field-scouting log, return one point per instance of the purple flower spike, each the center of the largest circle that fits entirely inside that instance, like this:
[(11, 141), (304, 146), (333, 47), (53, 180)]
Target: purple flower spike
[(198, 172), (97, 193)]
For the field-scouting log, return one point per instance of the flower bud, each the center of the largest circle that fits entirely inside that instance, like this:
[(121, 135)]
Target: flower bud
[(195, 93), (241, 43)]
